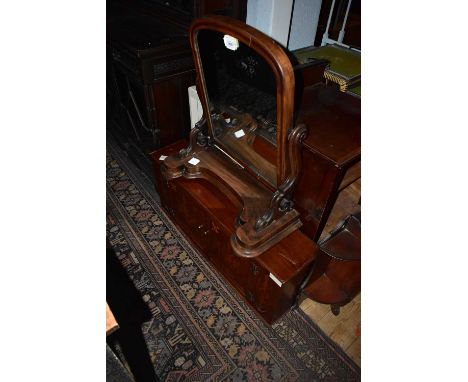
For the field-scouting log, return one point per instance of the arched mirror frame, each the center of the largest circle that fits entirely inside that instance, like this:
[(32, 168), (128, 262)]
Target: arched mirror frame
[(281, 67)]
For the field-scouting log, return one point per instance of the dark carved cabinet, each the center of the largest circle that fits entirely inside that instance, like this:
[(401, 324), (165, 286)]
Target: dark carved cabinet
[(150, 67)]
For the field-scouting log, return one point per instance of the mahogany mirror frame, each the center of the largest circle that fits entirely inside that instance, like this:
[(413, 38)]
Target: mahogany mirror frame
[(281, 67)]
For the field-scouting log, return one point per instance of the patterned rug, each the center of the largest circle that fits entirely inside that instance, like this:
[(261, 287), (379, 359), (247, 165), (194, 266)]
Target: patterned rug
[(200, 329)]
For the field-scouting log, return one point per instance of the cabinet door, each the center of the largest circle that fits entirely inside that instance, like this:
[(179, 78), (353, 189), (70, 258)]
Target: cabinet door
[(116, 99), (129, 107), (137, 113), (189, 215), (169, 106)]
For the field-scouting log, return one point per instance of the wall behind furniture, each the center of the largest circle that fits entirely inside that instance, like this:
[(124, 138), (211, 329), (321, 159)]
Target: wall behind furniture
[(273, 17), (304, 23)]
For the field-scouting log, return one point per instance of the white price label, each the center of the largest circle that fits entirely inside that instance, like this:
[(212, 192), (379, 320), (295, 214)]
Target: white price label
[(239, 133), (230, 42), (275, 279), (194, 161), (162, 157)]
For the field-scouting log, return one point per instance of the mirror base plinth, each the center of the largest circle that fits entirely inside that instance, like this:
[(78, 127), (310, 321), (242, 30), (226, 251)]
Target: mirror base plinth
[(249, 242)]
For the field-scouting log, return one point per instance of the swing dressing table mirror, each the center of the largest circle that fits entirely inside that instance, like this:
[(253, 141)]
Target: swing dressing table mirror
[(246, 144)]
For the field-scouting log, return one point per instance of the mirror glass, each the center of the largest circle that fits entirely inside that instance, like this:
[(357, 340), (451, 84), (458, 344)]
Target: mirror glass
[(241, 94)]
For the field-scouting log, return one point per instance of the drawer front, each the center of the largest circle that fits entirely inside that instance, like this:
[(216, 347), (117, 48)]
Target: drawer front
[(242, 272), (161, 69), (189, 215), (250, 279)]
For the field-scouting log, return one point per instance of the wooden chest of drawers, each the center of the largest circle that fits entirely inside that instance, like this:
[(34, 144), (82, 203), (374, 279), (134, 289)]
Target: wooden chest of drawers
[(269, 282)]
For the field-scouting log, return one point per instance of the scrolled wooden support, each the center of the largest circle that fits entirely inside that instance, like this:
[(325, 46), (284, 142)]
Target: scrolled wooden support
[(281, 201), (183, 153), (196, 136), (204, 137), (295, 138), (264, 220)]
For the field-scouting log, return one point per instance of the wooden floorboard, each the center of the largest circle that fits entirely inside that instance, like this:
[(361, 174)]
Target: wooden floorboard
[(344, 329), (354, 351)]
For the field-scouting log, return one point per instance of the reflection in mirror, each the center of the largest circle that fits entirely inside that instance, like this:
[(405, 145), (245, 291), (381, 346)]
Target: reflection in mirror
[(241, 93)]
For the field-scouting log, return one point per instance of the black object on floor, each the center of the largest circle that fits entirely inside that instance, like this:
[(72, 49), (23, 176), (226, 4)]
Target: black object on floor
[(115, 371), (130, 312)]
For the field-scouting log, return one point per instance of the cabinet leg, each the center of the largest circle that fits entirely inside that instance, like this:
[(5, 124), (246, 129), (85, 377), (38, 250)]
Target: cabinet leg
[(335, 308), (300, 296)]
